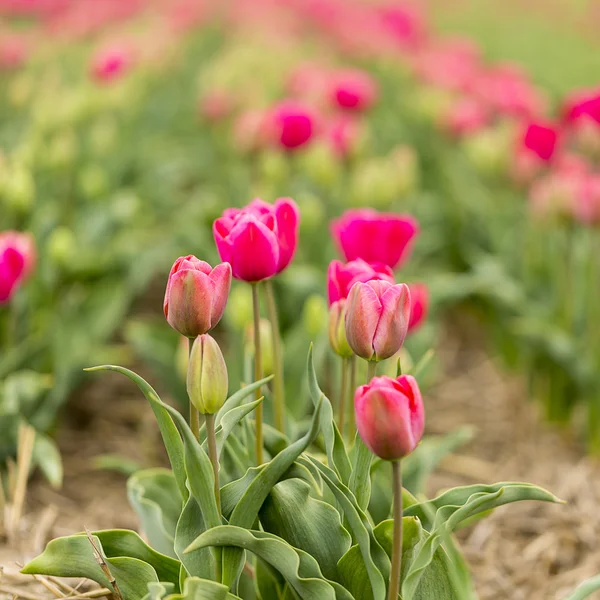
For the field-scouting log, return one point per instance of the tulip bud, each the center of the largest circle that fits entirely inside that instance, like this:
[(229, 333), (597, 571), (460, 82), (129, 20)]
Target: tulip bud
[(196, 295), (315, 315), (266, 345), (377, 318), (419, 305), (207, 381), (390, 416), (337, 329)]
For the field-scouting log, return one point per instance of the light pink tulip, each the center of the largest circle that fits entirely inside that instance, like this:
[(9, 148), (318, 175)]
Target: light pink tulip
[(377, 317), (259, 240), (390, 416), (341, 277), (196, 295), (378, 238)]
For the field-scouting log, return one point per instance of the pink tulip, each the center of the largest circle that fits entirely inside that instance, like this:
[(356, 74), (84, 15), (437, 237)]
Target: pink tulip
[(216, 105), (406, 25), (342, 133), (290, 124), (353, 90), (341, 277), (419, 305), (377, 316), (110, 63), (465, 116), (582, 103), (17, 260), (259, 240), (375, 237), (390, 417), (196, 295), (541, 139)]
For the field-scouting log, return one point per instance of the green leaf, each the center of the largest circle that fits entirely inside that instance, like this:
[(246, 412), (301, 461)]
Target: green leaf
[(585, 589), (360, 479), (154, 496), (299, 569), (157, 591), (47, 456), (334, 444), (189, 527), (202, 589), (73, 556), (230, 420), (246, 510), (268, 582), (168, 430), (238, 397), (291, 513), (376, 561), (456, 506)]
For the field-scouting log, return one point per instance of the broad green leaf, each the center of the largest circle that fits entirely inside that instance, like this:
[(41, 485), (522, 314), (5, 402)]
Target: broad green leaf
[(73, 556), (168, 430), (291, 513), (202, 589), (157, 591), (376, 561), (268, 582), (585, 589), (230, 420), (458, 496), (334, 444), (299, 569), (246, 509), (238, 398), (189, 527), (275, 441), (154, 496), (360, 479), (456, 506)]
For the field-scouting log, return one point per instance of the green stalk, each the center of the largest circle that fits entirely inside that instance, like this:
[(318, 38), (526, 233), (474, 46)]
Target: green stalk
[(394, 589), (351, 419), (212, 454), (371, 370), (343, 394), (278, 387), (194, 414), (257, 374)]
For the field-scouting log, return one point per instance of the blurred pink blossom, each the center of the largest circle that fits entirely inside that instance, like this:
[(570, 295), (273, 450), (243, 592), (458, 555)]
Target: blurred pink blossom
[(110, 63), (353, 90)]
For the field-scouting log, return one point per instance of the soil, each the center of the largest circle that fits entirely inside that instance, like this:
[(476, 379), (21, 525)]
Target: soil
[(528, 551)]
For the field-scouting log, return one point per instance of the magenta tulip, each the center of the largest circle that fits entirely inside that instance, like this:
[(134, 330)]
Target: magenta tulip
[(17, 260), (377, 316), (290, 124), (419, 305), (390, 417), (259, 240), (541, 139), (353, 90), (341, 277), (196, 295), (375, 237)]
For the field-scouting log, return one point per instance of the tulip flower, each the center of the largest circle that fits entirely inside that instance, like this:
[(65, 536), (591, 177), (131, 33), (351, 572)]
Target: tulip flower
[(353, 90), (378, 238), (419, 305), (377, 318), (196, 295), (259, 240), (17, 260), (341, 277), (541, 139), (390, 416), (290, 124), (110, 63)]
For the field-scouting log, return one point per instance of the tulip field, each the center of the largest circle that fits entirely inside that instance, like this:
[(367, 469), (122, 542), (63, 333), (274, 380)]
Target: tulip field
[(373, 227)]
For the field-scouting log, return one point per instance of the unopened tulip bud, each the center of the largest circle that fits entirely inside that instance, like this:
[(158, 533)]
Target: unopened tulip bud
[(196, 295), (266, 345), (377, 318), (389, 416), (337, 329), (315, 315), (207, 381)]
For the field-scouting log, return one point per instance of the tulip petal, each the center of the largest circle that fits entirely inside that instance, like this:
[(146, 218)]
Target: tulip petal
[(393, 323), (288, 219), (363, 313), (189, 302), (221, 277)]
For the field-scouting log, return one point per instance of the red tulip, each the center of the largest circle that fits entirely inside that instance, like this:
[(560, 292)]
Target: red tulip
[(341, 277), (377, 316), (390, 417), (375, 237), (419, 305), (196, 295), (353, 90), (541, 139), (17, 260), (259, 240)]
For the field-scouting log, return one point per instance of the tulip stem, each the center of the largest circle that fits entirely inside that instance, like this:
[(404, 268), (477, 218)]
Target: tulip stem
[(394, 589), (278, 387), (343, 394), (257, 374), (194, 414), (351, 419), (371, 370), (213, 455)]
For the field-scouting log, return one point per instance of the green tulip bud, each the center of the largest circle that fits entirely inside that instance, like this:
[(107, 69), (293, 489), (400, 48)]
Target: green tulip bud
[(337, 329), (207, 381), (315, 315), (266, 345)]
